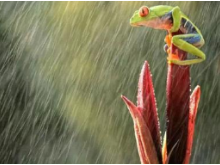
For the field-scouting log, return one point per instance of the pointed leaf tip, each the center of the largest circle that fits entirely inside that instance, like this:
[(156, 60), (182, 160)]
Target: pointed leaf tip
[(131, 107), (194, 103), (143, 86)]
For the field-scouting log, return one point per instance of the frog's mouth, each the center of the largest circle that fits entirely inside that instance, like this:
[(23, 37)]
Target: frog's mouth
[(136, 25)]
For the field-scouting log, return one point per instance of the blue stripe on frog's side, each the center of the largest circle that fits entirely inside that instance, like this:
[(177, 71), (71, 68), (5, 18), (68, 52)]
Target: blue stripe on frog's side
[(193, 40), (187, 27), (167, 18)]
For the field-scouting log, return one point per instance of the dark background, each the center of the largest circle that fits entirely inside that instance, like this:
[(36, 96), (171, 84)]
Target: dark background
[(63, 67)]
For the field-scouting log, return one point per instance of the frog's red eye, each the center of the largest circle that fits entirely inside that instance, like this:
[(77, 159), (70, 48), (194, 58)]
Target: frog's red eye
[(143, 12)]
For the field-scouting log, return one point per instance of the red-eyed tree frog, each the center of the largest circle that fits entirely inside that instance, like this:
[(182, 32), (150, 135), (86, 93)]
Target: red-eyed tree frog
[(172, 19)]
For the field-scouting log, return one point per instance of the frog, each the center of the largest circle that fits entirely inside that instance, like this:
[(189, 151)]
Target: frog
[(172, 19)]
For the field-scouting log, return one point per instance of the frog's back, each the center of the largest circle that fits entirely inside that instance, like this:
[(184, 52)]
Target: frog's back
[(161, 9)]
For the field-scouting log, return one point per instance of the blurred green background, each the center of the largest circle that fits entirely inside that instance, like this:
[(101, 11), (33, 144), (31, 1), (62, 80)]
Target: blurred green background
[(64, 65)]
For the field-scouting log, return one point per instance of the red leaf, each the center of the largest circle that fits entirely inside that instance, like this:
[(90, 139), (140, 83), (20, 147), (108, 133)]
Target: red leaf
[(146, 148), (147, 102), (194, 102)]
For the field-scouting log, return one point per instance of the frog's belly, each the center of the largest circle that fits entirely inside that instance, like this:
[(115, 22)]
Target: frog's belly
[(158, 24)]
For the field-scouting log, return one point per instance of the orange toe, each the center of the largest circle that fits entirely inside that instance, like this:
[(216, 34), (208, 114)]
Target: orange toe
[(173, 57), (168, 50), (168, 39)]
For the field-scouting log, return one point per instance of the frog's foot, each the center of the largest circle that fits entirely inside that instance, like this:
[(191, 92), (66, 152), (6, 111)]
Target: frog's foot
[(168, 39), (167, 49), (172, 58), (167, 46)]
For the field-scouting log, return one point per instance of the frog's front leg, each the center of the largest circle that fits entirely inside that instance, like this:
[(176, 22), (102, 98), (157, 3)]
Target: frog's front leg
[(188, 43), (176, 15)]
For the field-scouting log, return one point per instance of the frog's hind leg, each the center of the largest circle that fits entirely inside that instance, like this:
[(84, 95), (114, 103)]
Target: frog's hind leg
[(188, 43), (195, 40)]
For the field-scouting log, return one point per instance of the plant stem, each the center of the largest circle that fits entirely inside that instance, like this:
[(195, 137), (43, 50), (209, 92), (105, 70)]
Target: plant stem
[(178, 97)]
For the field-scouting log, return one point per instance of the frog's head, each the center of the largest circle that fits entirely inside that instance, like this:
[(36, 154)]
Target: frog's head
[(144, 17), (152, 17)]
